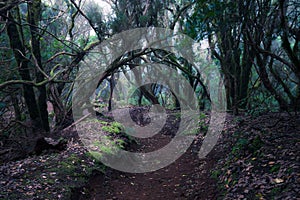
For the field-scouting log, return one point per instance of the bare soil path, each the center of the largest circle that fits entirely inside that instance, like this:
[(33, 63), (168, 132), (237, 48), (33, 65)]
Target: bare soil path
[(186, 178)]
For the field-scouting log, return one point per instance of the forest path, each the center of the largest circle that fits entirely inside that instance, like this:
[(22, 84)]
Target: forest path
[(187, 178)]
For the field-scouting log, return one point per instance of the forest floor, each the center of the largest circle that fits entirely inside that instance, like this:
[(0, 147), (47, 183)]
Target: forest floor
[(256, 157), (187, 178)]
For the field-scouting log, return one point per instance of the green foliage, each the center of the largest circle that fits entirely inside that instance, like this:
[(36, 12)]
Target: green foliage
[(260, 100), (240, 146), (202, 124), (215, 174), (120, 143), (275, 168), (95, 154), (94, 13), (107, 149), (106, 146), (245, 145), (177, 115), (202, 116), (67, 167), (117, 125), (103, 122), (191, 132), (109, 141), (255, 144), (114, 128)]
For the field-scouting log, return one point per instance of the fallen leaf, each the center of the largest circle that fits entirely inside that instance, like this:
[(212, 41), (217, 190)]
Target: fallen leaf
[(278, 180)]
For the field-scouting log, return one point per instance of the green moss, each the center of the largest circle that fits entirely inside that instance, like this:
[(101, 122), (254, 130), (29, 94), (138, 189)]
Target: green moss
[(120, 143), (114, 128), (215, 174), (240, 145), (275, 168), (191, 132), (107, 149), (117, 125), (95, 154), (103, 122), (67, 167), (256, 144), (177, 115), (202, 116)]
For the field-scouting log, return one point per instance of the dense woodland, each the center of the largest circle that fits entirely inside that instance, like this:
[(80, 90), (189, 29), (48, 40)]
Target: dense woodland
[(254, 44)]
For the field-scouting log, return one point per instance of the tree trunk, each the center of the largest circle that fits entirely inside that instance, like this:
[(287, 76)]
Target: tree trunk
[(19, 53), (34, 14), (111, 85), (268, 85)]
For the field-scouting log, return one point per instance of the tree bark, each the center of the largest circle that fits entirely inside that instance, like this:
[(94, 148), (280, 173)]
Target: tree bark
[(19, 53), (34, 15)]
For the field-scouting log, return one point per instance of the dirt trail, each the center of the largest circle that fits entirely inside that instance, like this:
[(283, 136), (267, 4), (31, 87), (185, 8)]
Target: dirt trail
[(186, 178)]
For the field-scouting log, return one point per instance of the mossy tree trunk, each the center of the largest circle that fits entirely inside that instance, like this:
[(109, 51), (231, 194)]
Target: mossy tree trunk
[(19, 53), (35, 99), (34, 15)]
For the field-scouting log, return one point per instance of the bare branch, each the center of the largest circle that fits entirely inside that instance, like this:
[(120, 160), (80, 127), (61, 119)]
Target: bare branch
[(59, 54), (8, 5), (32, 83), (39, 67), (84, 15), (179, 13)]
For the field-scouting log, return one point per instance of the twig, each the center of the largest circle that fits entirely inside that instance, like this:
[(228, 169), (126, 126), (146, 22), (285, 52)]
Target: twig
[(77, 122)]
